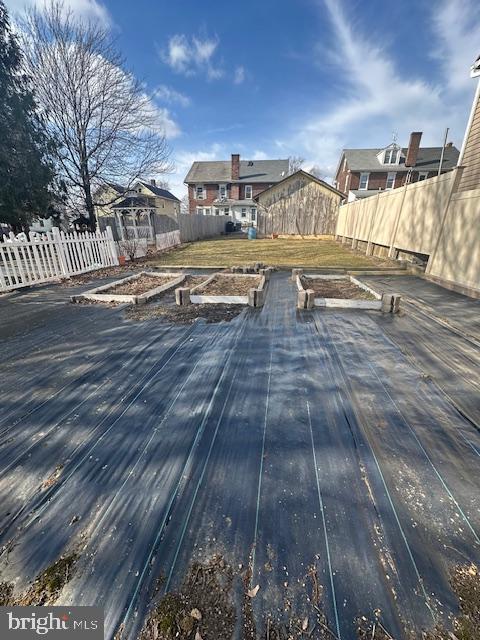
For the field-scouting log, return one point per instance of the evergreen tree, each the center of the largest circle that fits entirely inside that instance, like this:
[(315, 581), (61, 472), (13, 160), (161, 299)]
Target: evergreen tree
[(27, 172)]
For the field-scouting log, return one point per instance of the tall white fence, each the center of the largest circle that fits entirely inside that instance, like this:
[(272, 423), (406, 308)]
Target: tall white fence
[(53, 255)]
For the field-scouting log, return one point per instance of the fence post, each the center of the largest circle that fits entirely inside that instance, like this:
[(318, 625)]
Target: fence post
[(60, 250), (111, 245), (369, 249), (396, 224)]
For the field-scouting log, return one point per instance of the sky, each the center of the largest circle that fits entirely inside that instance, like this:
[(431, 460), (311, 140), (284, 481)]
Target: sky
[(276, 78)]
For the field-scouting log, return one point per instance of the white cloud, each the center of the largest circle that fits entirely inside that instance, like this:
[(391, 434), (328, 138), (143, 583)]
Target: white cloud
[(191, 57), (239, 75), (88, 9), (457, 24), (184, 160), (171, 96), (377, 100), (259, 155), (165, 123)]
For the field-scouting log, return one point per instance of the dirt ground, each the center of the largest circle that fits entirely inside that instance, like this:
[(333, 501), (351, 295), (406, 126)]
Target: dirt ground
[(140, 285), (193, 281), (185, 314), (230, 286), (341, 288)]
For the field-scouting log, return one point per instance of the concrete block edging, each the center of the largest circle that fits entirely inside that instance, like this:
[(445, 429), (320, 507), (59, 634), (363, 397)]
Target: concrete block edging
[(100, 294), (387, 302), (254, 298)]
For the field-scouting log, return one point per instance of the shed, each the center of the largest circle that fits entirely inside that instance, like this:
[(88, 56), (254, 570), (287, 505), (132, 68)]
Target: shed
[(300, 204)]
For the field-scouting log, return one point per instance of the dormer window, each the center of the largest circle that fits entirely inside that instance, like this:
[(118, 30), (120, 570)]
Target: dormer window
[(390, 156)]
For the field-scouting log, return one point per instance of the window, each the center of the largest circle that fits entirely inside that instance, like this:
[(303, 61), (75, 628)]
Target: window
[(199, 211), (199, 192), (217, 212), (390, 156), (226, 211), (363, 181), (207, 211), (244, 213), (390, 180), (248, 192), (253, 214), (222, 191), (423, 175)]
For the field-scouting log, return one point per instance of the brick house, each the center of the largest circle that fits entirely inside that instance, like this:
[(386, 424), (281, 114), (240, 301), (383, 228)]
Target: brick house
[(229, 187), (364, 172)]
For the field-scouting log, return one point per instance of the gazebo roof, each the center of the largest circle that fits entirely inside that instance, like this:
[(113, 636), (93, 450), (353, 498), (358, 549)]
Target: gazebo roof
[(135, 202)]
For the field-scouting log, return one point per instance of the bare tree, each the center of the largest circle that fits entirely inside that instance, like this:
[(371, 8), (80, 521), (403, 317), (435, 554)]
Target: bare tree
[(315, 171), (295, 163), (107, 128), (184, 204)]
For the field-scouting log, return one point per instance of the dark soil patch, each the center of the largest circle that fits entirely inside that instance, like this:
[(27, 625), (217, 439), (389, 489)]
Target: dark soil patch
[(141, 285), (46, 587), (107, 272), (202, 608), (230, 286), (341, 288), (6, 594), (185, 314), (465, 581)]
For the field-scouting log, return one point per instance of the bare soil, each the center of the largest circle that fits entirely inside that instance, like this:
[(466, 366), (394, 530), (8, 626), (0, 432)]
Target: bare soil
[(194, 281), (185, 314), (237, 285), (202, 608), (141, 285), (341, 288), (46, 587)]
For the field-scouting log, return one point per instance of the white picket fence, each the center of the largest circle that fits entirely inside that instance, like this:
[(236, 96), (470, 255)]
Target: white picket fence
[(168, 239), (53, 255)]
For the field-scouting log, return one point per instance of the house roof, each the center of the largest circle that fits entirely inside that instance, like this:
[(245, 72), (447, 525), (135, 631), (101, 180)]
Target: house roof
[(306, 175), (428, 159), (251, 171), (158, 191)]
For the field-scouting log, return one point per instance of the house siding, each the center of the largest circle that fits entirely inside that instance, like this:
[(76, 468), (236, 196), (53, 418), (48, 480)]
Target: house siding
[(471, 155)]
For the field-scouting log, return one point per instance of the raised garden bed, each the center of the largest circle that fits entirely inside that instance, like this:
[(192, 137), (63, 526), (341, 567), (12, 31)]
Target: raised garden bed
[(136, 289), (225, 288), (336, 291)]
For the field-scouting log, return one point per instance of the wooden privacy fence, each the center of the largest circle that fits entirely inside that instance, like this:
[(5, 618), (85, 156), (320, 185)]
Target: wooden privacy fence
[(43, 258)]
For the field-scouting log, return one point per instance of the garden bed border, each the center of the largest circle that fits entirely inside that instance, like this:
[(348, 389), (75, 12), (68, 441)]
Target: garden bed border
[(307, 299), (100, 294), (254, 298)]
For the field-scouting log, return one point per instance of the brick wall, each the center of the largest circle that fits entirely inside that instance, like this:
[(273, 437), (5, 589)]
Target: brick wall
[(235, 191)]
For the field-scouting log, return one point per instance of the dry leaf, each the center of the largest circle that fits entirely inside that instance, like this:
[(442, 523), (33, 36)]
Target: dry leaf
[(305, 624), (253, 592), (198, 636), (195, 613)]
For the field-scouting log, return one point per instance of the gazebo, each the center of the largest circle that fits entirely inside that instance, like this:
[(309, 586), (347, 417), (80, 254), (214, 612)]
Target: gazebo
[(134, 217)]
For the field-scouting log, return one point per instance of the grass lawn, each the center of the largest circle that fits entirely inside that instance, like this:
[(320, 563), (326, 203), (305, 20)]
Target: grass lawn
[(231, 251)]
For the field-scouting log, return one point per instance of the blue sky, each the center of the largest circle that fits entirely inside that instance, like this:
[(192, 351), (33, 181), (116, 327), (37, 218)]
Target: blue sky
[(274, 78)]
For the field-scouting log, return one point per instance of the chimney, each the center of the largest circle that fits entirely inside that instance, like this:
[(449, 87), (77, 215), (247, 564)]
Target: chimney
[(153, 182), (235, 166), (413, 147)]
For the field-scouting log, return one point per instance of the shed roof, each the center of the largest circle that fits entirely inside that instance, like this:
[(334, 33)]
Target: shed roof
[(306, 175)]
